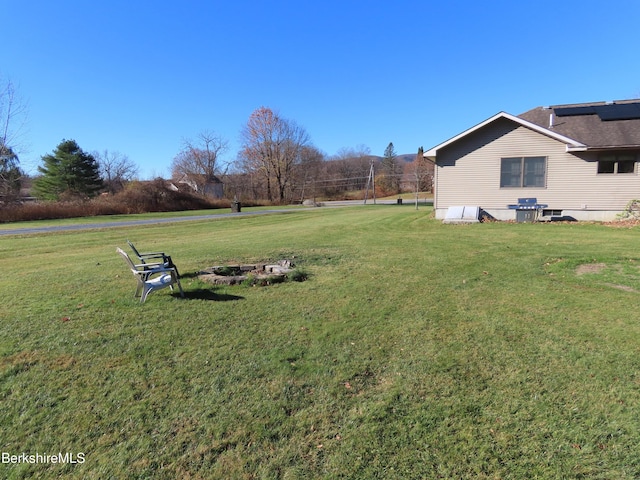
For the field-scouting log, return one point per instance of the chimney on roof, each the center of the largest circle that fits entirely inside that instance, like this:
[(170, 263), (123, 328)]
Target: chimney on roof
[(552, 118)]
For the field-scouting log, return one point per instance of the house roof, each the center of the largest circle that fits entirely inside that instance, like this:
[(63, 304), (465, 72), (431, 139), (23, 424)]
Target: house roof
[(582, 126), (598, 125), (431, 153), (186, 177)]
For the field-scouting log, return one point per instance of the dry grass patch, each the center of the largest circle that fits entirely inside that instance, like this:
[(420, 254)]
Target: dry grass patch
[(590, 268)]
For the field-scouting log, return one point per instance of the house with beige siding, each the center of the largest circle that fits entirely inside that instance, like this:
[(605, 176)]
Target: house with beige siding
[(579, 161)]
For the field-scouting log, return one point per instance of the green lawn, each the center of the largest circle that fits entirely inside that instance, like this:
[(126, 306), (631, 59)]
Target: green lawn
[(97, 219), (414, 350)]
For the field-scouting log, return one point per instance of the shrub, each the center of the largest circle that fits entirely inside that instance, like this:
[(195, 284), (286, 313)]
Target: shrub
[(137, 197), (297, 275), (631, 211)]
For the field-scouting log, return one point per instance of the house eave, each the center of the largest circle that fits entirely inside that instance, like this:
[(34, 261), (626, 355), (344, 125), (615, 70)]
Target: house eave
[(432, 153), (601, 148)]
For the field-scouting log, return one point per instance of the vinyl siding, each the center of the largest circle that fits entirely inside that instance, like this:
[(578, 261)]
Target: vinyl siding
[(468, 173)]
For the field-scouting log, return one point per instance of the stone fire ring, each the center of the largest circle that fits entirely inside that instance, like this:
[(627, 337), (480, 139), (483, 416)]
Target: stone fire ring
[(235, 274)]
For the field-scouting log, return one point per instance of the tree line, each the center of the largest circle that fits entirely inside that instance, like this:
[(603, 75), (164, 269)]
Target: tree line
[(277, 162)]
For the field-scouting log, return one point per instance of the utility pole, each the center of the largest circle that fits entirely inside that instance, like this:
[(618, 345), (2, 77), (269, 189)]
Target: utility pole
[(371, 181), (417, 163)]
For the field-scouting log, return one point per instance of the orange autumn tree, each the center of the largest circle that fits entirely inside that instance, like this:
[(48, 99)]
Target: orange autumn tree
[(272, 147)]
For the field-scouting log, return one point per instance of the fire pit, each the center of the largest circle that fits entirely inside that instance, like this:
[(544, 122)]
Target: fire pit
[(261, 273)]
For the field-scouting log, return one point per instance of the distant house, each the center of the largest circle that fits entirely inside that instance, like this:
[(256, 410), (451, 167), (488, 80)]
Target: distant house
[(580, 160), (211, 187)]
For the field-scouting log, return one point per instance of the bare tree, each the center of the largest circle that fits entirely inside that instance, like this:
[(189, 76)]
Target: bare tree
[(307, 171), (421, 173), (115, 169), (272, 146), (13, 114), (350, 168), (199, 160)]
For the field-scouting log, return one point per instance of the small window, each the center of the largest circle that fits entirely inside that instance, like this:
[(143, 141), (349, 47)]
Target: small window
[(612, 163), (551, 213), (523, 172), (627, 166)]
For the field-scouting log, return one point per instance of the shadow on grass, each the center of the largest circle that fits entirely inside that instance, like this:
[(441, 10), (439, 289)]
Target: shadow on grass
[(206, 294), (189, 275)]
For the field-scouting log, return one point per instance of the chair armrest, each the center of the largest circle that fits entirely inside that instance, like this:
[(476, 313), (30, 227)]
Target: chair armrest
[(150, 271), (150, 266), (153, 254)]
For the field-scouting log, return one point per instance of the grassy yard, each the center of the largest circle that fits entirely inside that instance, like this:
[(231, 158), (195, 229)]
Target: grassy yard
[(414, 350), (97, 219)]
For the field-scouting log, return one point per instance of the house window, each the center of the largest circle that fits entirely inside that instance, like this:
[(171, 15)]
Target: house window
[(617, 163), (523, 172), (551, 213)]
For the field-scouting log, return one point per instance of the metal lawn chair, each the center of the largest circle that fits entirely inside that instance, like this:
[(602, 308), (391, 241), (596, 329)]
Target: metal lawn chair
[(153, 258), (152, 277)]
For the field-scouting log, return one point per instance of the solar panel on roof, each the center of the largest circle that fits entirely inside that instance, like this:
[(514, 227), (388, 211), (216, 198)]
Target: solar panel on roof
[(574, 111), (624, 111), (613, 111)]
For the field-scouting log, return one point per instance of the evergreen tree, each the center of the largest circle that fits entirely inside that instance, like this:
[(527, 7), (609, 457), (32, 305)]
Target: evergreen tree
[(10, 173), (67, 173), (391, 170)]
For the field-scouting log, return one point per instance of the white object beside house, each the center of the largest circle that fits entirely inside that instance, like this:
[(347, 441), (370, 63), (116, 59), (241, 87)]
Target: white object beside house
[(466, 214)]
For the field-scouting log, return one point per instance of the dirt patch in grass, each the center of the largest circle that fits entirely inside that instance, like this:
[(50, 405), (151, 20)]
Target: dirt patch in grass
[(599, 268), (621, 287), (590, 268)]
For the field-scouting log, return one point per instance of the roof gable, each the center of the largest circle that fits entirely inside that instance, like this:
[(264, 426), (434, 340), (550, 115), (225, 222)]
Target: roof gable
[(571, 143)]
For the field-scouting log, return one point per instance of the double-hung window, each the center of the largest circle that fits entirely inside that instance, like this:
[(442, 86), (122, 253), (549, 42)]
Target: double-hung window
[(617, 163), (521, 172)]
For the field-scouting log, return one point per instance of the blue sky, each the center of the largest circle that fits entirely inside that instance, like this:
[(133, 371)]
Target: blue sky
[(138, 77)]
